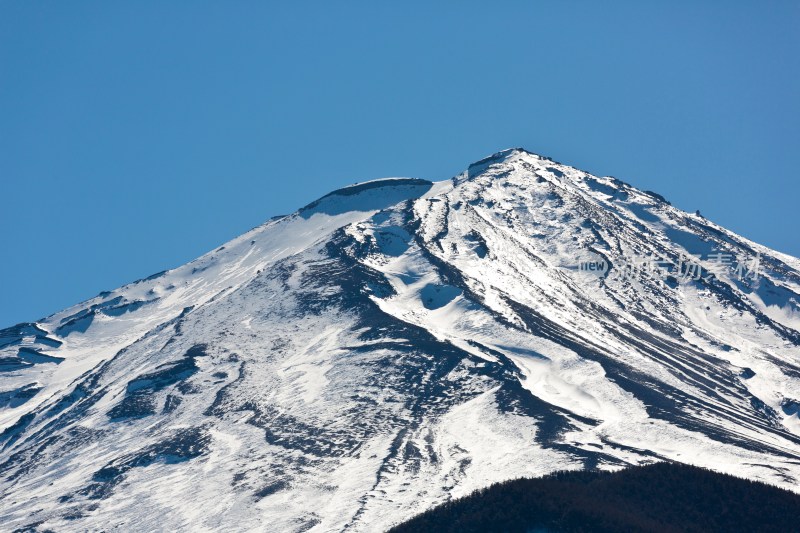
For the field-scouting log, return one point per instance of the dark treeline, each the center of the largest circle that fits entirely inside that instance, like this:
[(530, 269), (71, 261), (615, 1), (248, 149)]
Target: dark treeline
[(662, 497)]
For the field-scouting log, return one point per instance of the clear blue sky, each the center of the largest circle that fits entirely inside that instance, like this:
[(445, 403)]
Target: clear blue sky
[(135, 136)]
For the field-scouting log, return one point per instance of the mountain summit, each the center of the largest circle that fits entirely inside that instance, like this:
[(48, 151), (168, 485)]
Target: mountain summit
[(399, 343)]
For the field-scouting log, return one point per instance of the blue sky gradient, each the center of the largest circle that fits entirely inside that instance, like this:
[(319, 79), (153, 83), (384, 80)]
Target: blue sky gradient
[(136, 136)]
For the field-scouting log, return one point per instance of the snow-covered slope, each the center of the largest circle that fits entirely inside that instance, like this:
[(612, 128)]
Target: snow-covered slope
[(399, 343)]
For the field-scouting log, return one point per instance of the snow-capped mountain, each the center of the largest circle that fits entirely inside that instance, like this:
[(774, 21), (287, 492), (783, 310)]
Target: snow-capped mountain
[(399, 343)]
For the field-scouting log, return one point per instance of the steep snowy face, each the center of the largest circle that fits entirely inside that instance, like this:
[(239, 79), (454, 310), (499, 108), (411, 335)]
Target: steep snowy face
[(401, 342)]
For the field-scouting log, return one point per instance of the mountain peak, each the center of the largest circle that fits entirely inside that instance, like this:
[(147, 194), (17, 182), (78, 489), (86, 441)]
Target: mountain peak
[(507, 155), (397, 343)]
